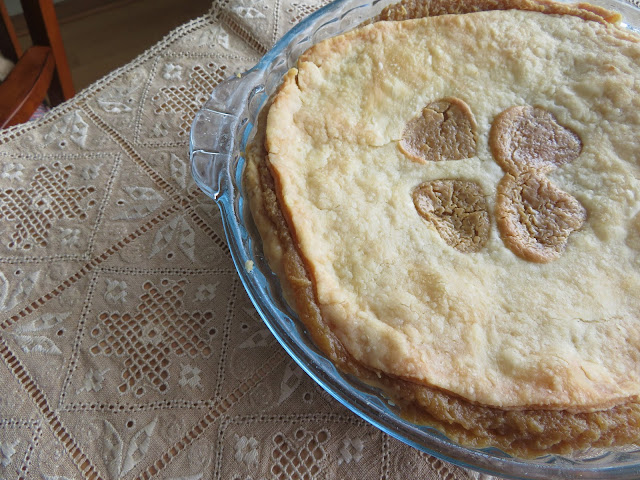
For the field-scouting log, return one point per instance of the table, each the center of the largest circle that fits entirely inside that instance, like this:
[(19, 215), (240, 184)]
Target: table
[(129, 348)]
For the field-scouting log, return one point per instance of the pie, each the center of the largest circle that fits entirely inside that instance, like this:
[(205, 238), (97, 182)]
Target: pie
[(450, 196)]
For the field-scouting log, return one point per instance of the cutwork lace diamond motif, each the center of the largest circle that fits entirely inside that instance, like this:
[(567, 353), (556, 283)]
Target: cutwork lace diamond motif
[(120, 460), (179, 229), (351, 450), (93, 380), (12, 171), (118, 100), (250, 9), (187, 99), (300, 457), (190, 377), (70, 237), (206, 292), (172, 71), (31, 336), (116, 291), (72, 126), (246, 450), (11, 294), (148, 338), (215, 35), (48, 198), (141, 202)]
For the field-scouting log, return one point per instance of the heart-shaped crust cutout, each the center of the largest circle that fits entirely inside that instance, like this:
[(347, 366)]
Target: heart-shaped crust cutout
[(445, 130), (457, 209), (530, 138), (535, 218)]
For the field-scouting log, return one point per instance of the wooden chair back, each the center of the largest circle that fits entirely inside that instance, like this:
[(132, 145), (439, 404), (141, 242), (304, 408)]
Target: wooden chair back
[(40, 71)]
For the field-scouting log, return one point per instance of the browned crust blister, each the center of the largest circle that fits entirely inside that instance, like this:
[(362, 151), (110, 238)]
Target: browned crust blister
[(521, 432)]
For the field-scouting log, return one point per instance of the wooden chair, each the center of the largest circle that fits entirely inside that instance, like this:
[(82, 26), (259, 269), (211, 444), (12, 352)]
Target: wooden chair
[(41, 70)]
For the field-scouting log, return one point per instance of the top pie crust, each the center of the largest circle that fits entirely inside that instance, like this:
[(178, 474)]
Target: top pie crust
[(488, 326)]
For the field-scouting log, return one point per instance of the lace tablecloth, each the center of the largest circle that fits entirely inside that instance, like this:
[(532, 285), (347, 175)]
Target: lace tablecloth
[(129, 348)]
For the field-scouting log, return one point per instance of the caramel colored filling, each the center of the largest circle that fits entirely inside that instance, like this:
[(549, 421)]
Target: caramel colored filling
[(530, 138), (535, 218), (445, 130), (457, 209)]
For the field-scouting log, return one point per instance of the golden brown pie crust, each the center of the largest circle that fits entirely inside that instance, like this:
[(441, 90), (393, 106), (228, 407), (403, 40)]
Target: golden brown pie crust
[(524, 432)]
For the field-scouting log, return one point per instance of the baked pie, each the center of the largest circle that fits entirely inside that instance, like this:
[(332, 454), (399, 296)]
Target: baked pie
[(450, 196)]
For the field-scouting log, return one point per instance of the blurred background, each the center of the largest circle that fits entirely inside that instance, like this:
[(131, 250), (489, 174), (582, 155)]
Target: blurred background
[(101, 35)]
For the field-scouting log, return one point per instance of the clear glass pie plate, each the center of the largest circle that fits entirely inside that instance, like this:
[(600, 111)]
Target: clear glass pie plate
[(219, 135)]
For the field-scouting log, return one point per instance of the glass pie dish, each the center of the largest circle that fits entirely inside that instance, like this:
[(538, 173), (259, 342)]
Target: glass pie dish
[(219, 135)]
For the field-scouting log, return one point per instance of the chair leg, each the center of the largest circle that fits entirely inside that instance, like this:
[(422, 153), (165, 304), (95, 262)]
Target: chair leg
[(42, 23)]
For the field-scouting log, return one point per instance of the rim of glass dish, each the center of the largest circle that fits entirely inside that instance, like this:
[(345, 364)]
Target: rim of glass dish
[(259, 282)]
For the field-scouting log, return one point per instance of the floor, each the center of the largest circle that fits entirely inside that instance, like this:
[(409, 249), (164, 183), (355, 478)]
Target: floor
[(101, 35)]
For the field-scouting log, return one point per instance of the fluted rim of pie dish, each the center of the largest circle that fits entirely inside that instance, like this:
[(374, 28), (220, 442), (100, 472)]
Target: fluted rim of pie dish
[(219, 134)]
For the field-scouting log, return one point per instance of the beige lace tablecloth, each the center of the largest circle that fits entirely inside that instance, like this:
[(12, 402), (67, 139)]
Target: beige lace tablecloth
[(129, 348)]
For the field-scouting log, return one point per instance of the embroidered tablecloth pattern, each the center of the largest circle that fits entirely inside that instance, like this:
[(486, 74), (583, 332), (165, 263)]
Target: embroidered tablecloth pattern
[(129, 348)]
